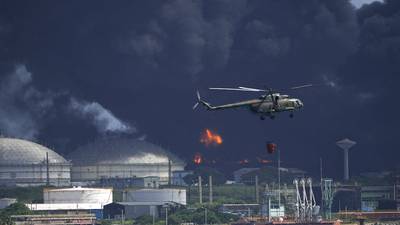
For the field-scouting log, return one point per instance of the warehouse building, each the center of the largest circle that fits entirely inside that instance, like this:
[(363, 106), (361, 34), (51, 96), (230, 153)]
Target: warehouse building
[(25, 163), (76, 200), (132, 210), (120, 159)]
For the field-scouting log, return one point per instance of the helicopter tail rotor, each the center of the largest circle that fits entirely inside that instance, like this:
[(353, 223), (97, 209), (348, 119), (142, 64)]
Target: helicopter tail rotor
[(200, 101)]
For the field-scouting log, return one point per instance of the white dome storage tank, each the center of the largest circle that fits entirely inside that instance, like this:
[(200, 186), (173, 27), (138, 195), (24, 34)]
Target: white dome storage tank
[(78, 195), (121, 158), (156, 195), (23, 163)]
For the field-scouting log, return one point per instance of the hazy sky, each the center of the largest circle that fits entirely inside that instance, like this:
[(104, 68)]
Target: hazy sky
[(75, 71)]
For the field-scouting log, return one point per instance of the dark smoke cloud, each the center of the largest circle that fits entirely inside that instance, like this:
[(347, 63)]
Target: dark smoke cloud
[(25, 110), (145, 59), (23, 107)]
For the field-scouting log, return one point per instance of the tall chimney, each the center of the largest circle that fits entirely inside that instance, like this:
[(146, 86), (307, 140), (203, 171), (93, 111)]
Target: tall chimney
[(345, 145)]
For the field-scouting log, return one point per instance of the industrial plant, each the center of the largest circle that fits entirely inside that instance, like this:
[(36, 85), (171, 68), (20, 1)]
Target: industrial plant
[(118, 179)]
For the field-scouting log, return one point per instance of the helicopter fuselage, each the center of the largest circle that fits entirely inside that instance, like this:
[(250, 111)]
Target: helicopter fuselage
[(279, 105)]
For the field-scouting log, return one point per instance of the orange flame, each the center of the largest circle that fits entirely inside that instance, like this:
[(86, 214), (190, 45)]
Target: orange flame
[(197, 159), (210, 138)]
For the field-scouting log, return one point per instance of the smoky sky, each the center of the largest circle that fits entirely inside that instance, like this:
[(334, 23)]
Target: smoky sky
[(83, 70)]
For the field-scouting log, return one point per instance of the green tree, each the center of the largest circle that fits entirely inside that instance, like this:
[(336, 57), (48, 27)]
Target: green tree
[(13, 209)]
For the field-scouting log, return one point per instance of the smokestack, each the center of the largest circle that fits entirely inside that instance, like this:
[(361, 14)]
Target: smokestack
[(210, 185), (200, 191), (345, 145), (47, 170), (256, 190)]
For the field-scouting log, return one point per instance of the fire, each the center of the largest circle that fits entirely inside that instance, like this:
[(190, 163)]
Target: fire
[(210, 138), (263, 161), (197, 159), (244, 161)]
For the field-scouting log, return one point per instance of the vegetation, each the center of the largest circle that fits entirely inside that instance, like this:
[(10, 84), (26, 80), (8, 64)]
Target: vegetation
[(224, 194), (269, 175), (198, 216), (14, 209), (218, 178), (23, 194)]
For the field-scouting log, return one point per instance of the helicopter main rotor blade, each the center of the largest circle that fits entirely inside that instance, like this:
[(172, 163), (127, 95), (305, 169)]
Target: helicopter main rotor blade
[(234, 89), (253, 89), (301, 86)]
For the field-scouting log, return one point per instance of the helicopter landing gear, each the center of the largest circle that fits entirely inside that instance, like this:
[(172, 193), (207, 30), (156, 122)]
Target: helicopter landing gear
[(291, 115)]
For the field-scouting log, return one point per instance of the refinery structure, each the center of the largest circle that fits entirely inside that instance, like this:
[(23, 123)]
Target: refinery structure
[(149, 182)]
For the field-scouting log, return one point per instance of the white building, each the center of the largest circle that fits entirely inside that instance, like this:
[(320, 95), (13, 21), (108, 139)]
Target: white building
[(23, 163), (122, 158), (167, 195)]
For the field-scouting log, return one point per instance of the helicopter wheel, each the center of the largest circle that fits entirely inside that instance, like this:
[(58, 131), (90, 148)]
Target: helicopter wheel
[(291, 115)]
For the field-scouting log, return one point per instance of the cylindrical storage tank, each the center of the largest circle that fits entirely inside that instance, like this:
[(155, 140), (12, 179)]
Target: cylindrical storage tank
[(156, 195), (78, 195)]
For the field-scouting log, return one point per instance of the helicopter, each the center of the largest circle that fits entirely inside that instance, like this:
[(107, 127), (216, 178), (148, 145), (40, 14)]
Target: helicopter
[(267, 105)]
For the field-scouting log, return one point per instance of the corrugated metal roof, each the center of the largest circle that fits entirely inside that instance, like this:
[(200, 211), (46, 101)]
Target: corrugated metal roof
[(63, 206), (76, 189)]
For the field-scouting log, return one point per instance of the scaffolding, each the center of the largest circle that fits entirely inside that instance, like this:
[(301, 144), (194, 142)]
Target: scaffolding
[(327, 197)]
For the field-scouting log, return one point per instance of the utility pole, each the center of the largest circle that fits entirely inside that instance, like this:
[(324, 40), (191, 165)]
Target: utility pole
[(154, 214), (279, 180), (166, 215), (210, 185), (256, 190), (205, 215), (200, 191), (169, 172), (47, 170)]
